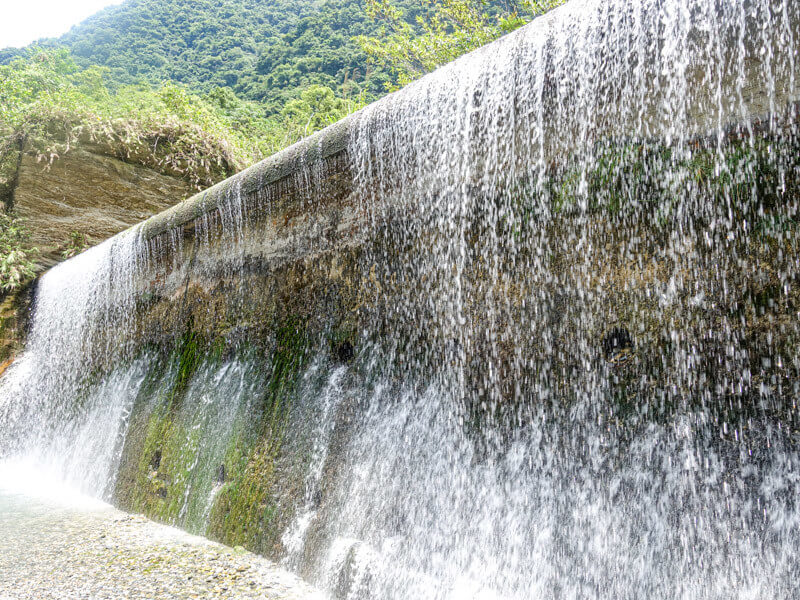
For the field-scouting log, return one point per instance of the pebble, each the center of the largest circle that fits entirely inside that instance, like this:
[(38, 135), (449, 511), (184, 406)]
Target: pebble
[(106, 555)]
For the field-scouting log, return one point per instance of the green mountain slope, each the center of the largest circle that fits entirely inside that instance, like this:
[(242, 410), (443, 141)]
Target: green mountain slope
[(263, 49)]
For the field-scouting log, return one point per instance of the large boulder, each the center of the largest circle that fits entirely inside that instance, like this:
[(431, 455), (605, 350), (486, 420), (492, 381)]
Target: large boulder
[(88, 194)]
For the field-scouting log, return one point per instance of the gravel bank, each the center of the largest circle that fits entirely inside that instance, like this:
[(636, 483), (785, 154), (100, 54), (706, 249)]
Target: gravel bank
[(51, 552)]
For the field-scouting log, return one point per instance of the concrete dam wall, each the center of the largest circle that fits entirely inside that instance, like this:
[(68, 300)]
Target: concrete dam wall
[(528, 326)]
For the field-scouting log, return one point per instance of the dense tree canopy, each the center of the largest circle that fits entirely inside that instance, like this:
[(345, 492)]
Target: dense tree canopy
[(271, 50), (408, 49), (263, 50)]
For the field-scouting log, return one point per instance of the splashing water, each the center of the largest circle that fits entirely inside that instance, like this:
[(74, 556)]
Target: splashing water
[(82, 318), (326, 403), (578, 364)]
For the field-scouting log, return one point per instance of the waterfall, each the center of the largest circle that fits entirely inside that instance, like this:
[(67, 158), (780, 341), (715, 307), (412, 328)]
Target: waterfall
[(50, 414), (558, 358)]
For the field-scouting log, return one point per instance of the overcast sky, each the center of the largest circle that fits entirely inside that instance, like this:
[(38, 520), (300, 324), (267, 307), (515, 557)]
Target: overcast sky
[(25, 21)]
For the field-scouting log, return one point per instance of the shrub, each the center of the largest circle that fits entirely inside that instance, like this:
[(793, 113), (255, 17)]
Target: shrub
[(16, 258)]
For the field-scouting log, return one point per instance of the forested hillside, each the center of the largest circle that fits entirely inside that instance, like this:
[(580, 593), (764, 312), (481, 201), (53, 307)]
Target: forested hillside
[(264, 50)]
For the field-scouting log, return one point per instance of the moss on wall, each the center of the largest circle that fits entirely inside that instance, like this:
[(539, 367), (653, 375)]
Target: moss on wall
[(543, 338), (238, 500)]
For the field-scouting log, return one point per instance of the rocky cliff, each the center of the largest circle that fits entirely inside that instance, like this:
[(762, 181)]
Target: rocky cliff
[(68, 202), (91, 192)]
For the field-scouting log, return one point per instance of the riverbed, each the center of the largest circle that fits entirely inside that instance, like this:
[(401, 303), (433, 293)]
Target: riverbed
[(57, 544)]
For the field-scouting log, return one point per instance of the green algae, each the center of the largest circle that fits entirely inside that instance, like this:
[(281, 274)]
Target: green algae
[(247, 511), (179, 468)]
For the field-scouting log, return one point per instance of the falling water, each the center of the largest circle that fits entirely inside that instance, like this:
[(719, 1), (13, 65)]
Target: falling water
[(323, 406), (577, 184), (577, 355), (83, 313), (576, 179)]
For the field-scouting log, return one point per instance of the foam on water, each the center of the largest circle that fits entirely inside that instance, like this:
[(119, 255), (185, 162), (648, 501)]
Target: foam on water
[(27, 479)]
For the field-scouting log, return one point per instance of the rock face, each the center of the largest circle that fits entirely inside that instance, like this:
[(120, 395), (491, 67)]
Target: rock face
[(91, 193), (14, 314), (87, 193)]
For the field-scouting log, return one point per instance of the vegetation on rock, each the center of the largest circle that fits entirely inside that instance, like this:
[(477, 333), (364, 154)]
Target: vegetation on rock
[(77, 243), (49, 103), (16, 259)]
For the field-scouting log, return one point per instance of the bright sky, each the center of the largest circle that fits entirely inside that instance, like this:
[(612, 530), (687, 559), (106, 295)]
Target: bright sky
[(24, 21)]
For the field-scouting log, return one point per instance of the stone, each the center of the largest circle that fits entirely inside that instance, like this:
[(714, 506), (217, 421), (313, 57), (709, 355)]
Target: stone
[(90, 193)]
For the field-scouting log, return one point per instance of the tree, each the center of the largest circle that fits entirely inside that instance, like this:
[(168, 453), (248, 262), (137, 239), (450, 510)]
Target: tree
[(450, 29), (317, 107)]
